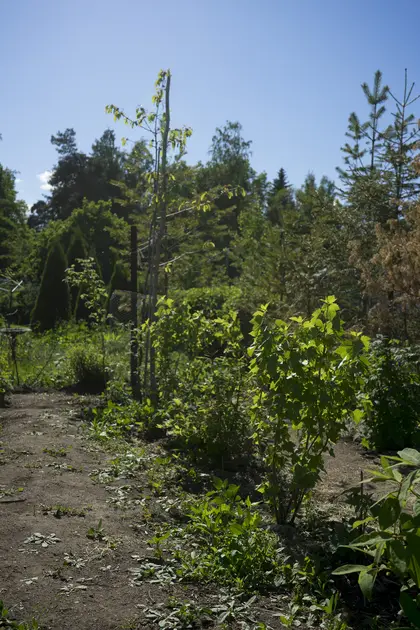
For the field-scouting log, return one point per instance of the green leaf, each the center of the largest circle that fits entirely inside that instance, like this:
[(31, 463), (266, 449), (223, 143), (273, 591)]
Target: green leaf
[(405, 487), (398, 557), (410, 609), (384, 462), (389, 512), (371, 539), (357, 415), (366, 520), (410, 456), (218, 483), (366, 582), (236, 529), (413, 556), (349, 568)]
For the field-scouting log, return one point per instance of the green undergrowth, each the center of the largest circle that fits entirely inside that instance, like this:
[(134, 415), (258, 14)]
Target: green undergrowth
[(6, 621), (214, 539), (64, 356)]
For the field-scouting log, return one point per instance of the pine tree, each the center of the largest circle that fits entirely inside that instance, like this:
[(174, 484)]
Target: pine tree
[(401, 142), (376, 99), (53, 302)]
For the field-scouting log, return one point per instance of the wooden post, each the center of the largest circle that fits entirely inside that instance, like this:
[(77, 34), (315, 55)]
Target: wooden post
[(134, 345)]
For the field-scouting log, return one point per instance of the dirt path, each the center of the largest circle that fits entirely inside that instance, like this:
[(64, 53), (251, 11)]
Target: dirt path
[(35, 475)]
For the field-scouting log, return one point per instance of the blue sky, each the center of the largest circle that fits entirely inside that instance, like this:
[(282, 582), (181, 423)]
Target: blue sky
[(288, 70)]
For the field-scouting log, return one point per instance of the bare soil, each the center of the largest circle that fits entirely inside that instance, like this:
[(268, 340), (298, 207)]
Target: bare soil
[(46, 461)]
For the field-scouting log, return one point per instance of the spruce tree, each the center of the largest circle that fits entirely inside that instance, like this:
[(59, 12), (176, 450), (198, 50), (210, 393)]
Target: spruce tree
[(280, 198), (53, 302), (280, 182)]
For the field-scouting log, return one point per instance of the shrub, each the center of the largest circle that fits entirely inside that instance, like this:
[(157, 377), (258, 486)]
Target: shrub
[(87, 367), (393, 388), (206, 417), (202, 391), (308, 375)]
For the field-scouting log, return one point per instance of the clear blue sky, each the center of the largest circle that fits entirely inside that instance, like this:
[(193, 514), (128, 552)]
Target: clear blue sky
[(288, 70)]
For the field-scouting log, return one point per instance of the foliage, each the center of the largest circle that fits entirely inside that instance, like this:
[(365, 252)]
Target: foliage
[(77, 251), (13, 232), (5, 368), (393, 388), (96, 532), (202, 381), (212, 301), (44, 359), (7, 622), (177, 615), (391, 276), (231, 547), (117, 420), (87, 368), (308, 374), (393, 542), (93, 293)]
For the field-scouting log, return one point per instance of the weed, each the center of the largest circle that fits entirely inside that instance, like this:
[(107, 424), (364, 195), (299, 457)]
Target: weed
[(115, 421), (44, 540), (62, 510), (128, 464), (154, 571), (157, 541), (96, 533), (56, 452), (71, 560), (393, 540), (176, 615), (67, 467), (9, 492), (228, 543)]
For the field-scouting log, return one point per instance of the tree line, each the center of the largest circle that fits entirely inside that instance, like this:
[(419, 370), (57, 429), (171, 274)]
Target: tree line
[(228, 229)]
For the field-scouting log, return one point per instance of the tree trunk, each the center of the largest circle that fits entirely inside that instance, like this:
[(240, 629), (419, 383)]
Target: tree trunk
[(134, 346), (160, 232)]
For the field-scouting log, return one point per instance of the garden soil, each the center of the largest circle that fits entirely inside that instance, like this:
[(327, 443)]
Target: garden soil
[(49, 568)]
